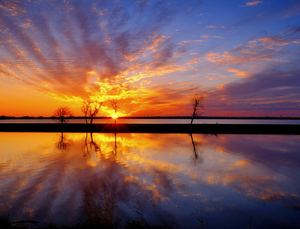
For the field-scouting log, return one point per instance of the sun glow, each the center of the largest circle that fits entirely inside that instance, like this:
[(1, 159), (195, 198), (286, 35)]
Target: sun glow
[(115, 116)]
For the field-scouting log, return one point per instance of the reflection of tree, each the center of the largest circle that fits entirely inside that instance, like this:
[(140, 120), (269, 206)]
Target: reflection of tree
[(90, 145), (62, 143), (93, 144), (115, 146), (196, 155)]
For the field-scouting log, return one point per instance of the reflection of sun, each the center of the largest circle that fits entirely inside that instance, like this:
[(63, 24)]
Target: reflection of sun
[(114, 116)]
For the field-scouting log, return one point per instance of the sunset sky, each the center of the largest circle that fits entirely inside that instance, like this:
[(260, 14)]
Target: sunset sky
[(151, 56)]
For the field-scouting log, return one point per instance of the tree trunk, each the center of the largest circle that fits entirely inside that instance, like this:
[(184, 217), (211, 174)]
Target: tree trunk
[(194, 112)]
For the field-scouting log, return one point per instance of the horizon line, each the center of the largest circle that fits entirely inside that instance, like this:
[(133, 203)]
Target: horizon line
[(152, 117)]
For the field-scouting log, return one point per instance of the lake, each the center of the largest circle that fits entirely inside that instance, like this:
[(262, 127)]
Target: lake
[(150, 180)]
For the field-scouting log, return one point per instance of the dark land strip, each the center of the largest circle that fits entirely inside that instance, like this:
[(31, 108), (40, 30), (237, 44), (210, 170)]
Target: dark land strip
[(292, 129)]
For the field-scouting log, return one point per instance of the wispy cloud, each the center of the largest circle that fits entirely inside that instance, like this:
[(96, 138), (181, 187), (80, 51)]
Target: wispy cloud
[(272, 92), (266, 48), (55, 45), (253, 3), (214, 26)]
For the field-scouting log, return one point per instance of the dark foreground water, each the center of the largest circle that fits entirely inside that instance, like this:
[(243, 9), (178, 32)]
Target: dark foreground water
[(149, 180)]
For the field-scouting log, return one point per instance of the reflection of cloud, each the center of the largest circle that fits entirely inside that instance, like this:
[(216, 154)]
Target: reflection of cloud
[(264, 150), (113, 179), (143, 176)]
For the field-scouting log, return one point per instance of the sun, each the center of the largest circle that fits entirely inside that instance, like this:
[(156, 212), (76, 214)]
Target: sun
[(114, 116)]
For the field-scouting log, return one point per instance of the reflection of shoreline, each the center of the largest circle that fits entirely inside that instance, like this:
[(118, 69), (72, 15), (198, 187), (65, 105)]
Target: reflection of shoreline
[(155, 128)]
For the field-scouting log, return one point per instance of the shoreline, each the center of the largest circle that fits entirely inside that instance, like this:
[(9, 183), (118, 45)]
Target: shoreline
[(159, 117), (278, 129)]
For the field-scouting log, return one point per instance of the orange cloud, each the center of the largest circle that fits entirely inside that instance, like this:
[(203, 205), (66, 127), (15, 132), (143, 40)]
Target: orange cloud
[(238, 73)]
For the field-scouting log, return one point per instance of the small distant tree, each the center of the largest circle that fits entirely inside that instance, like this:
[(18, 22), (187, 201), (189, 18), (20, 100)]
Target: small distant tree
[(197, 105), (115, 106), (62, 113)]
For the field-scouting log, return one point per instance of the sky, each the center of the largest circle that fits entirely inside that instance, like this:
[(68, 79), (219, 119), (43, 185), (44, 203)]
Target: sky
[(152, 57)]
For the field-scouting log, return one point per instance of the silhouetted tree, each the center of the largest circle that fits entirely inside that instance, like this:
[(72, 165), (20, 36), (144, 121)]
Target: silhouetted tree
[(197, 104), (115, 106), (85, 109), (93, 110), (90, 109), (62, 113)]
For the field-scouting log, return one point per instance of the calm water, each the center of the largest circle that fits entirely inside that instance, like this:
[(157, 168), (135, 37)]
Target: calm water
[(171, 121), (169, 180)]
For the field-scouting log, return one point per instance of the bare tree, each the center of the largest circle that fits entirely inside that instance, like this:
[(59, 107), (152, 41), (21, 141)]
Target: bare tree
[(62, 113), (85, 109), (197, 104), (90, 110), (93, 110)]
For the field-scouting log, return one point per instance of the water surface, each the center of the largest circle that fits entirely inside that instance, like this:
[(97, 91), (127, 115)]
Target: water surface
[(148, 180)]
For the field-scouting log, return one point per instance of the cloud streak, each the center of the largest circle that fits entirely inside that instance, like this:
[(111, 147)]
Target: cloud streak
[(273, 91), (54, 45), (253, 3)]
